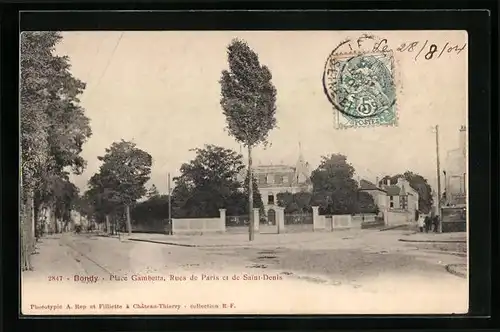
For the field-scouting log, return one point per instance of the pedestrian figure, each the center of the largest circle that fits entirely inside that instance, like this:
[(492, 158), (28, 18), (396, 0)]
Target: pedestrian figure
[(435, 223), (427, 223), (421, 223)]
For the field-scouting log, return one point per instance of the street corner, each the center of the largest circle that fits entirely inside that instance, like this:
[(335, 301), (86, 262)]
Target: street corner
[(459, 270)]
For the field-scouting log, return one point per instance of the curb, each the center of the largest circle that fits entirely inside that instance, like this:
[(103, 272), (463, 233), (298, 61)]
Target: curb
[(451, 268), (393, 227), (453, 253), (167, 243), (433, 241), (189, 245), (201, 245)]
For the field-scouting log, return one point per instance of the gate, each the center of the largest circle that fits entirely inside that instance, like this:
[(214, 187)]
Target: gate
[(271, 217)]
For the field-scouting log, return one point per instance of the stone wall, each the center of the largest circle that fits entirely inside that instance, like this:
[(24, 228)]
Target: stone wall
[(200, 225), (396, 218), (323, 223)]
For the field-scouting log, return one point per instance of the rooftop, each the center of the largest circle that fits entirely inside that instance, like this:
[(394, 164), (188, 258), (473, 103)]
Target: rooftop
[(367, 185)]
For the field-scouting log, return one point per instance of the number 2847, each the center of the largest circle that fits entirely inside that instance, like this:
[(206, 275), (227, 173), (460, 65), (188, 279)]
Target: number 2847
[(55, 278)]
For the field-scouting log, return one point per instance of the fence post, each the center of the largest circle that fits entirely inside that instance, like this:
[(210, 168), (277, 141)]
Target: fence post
[(256, 219), (223, 219), (317, 220), (280, 219), (349, 221)]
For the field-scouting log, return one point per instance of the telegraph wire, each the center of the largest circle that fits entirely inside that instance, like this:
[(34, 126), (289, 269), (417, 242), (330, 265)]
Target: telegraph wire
[(109, 61)]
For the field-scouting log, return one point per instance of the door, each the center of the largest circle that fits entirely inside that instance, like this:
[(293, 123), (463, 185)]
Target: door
[(271, 217)]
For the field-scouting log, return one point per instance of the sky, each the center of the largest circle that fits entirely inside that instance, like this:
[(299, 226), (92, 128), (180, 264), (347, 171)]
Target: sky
[(161, 89)]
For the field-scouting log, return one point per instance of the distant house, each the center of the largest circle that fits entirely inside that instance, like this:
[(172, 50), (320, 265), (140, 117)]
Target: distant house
[(456, 172), (379, 195), (275, 179), (390, 196)]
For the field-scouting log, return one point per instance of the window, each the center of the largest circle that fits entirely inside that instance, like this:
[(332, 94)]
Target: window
[(285, 179), (278, 179), (270, 199), (262, 179), (391, 201), (403, 203)]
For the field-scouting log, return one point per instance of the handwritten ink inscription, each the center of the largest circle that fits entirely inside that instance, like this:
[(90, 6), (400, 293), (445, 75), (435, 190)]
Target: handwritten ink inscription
[(422, 49)]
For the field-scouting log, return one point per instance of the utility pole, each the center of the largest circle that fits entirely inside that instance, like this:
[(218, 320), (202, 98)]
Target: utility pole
[(446, 188), (169, 193), (465, 185), (438, 180)]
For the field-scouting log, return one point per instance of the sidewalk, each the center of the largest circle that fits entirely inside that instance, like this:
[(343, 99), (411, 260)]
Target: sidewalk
[(458, 237), (230, 240), (52, 257), (460, 270)]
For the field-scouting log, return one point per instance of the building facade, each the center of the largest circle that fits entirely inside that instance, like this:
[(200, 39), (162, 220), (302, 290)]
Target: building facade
[(275, 179), (401, 196), (393, 197), (456, 171)]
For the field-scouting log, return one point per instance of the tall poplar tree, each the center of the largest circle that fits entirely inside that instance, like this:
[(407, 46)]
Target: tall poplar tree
[(249, 104)]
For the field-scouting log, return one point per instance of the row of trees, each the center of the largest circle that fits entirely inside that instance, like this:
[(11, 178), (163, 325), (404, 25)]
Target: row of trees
[(206, 184), (53, 130), (210, 182)]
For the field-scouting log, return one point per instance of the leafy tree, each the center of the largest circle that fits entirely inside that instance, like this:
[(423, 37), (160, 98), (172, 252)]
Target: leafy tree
[(237, 203), (153, 212), (303, 201), (366, 204), (121, 179), (295, 203), (60, 195), (248, 102), (257, 198), (207, 183), (85, 206), (152, 192), (181, 198), (285, 200), (418, 183), (334, 189), (53, 125)]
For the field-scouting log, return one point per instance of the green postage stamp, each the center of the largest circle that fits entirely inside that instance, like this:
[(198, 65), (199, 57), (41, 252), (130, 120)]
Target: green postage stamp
[(361, 88)]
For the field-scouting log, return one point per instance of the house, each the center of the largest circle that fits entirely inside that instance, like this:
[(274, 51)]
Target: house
[(455, 171), (379, 195), (401, 195), (275, 179), (398, 201)]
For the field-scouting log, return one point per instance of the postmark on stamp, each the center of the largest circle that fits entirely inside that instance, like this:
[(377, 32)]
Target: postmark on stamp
[(361, 87)]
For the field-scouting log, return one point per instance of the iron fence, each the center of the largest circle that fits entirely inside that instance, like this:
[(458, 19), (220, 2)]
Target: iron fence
[(298, 219), (236, 221)]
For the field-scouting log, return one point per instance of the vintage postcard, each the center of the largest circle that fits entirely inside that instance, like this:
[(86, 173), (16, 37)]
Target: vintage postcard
[(244, 172)]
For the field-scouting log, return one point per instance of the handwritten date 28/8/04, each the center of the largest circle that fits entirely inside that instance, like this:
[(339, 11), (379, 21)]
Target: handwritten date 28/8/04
[(426, 49)]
